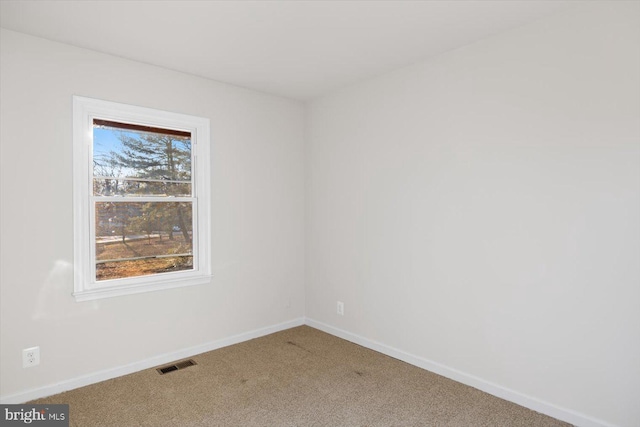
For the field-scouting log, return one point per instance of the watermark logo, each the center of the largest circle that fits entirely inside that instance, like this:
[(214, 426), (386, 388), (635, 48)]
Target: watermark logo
[(35, 415)]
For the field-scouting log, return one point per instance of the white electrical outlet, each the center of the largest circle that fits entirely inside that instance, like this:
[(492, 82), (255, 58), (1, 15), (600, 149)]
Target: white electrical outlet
[(30, 357), (340, 308)]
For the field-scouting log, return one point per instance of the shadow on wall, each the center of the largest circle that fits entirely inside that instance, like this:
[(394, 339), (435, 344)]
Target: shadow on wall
[(56, 293)]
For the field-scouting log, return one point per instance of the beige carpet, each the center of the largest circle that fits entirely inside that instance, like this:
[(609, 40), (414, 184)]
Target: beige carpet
[(298, 377)]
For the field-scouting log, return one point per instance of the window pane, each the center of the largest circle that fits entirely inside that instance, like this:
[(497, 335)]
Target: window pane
[(148, 154), (137, 239)]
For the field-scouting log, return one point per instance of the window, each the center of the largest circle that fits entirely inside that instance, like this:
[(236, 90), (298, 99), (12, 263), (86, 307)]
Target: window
[(141, 199)]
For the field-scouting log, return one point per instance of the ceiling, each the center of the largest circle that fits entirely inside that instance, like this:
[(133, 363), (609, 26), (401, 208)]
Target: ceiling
[(295, 49)]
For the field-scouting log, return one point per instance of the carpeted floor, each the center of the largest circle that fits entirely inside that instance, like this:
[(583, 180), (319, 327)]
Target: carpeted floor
[(298, 377)]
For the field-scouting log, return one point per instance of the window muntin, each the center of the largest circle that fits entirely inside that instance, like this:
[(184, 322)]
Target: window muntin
[(142, 210)]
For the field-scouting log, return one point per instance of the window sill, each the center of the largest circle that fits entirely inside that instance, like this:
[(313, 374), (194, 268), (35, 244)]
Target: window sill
[(119, 290)]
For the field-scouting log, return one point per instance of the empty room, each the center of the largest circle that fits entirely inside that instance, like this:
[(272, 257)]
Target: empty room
[(320, 213)]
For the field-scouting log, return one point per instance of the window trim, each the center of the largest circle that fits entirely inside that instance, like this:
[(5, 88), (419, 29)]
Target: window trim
[(85, 285)]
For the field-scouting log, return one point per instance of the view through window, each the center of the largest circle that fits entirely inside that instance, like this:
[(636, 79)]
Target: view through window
[(142, 190)]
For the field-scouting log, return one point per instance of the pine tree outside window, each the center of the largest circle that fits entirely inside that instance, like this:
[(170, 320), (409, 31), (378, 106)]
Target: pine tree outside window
[(141, 199)]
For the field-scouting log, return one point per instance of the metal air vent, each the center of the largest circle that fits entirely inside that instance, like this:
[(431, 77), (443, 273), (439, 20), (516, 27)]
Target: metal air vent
[(176, 366)]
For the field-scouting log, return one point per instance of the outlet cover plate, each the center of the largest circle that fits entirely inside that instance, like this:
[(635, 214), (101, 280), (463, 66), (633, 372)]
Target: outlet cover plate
[(30, 357)]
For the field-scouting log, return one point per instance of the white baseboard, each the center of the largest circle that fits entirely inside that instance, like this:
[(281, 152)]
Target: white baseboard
[(532, 403), (144, 364)]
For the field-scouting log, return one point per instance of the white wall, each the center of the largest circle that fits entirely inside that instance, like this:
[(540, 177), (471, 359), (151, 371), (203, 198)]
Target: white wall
[(481, 210), (257, 201)]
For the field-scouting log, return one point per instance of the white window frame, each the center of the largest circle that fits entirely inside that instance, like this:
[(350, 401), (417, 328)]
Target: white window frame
[(86, 287)]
